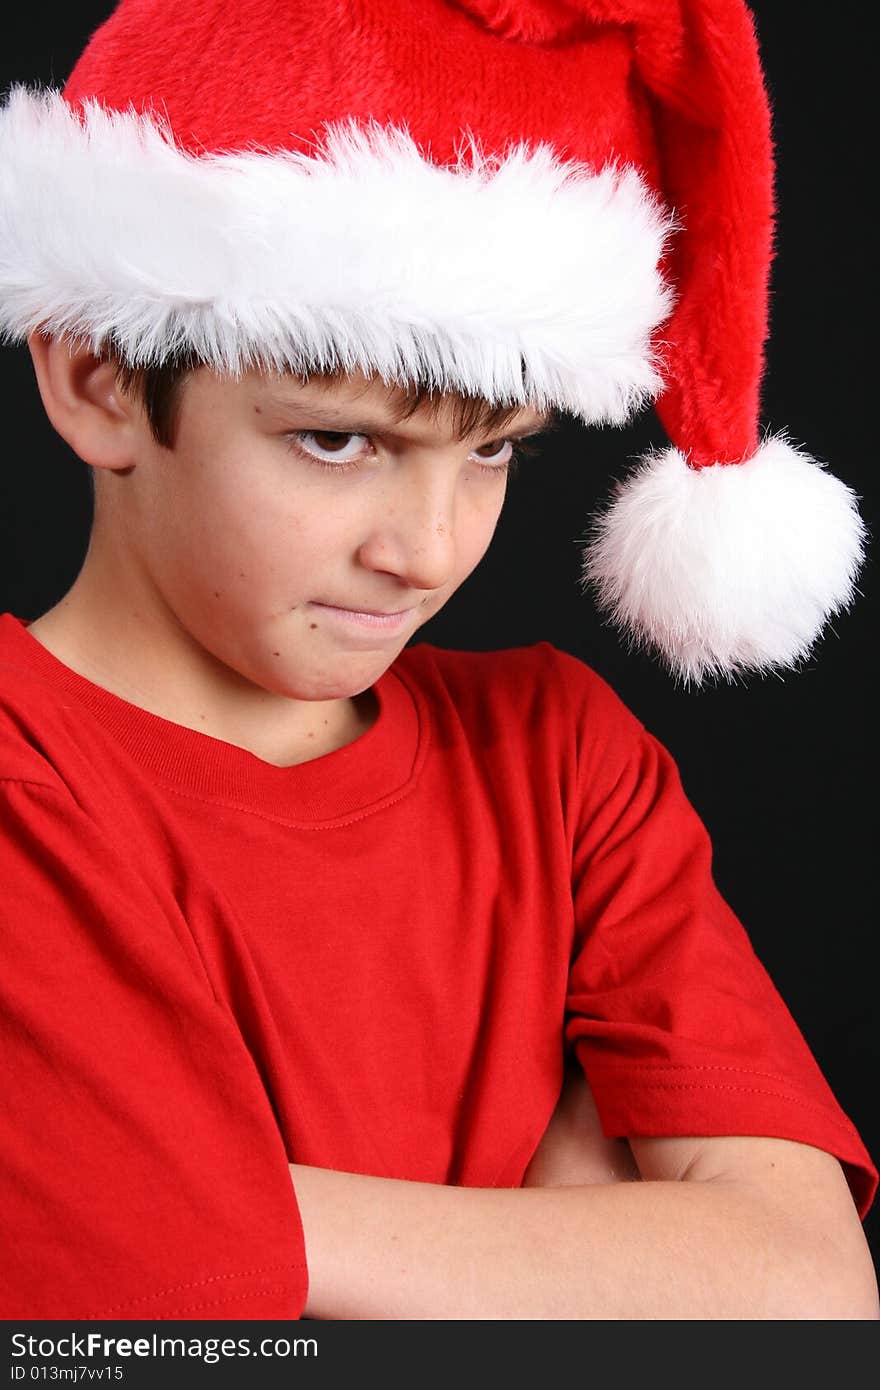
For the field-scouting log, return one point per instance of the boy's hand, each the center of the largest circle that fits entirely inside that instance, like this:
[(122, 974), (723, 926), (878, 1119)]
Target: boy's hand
[(574, 1150)]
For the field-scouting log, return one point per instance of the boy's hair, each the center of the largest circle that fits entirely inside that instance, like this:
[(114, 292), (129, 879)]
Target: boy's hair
[(158, 388)]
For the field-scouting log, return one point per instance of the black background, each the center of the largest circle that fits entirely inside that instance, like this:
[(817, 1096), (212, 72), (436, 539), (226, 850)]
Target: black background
[(783, 770)]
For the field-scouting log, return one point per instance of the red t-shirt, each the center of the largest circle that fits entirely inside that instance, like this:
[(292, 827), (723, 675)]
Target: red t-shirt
[(213, 966)]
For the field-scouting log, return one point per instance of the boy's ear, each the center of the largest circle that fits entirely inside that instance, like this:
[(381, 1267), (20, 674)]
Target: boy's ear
[(84, 403)]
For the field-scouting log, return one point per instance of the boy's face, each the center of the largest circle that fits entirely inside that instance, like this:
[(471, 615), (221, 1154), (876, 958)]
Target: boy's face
[(285, 509)]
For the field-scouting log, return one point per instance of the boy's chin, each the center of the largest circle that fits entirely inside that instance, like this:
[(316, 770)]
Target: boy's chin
[(341, 680)]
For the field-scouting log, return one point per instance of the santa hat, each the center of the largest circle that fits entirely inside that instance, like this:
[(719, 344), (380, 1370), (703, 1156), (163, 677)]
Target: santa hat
[(565, 203)]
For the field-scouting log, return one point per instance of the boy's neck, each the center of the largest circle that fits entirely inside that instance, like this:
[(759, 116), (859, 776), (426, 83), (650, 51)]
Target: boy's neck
[(122, 653)]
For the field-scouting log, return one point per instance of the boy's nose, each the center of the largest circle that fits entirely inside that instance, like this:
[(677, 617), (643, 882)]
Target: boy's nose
[(415, 542)]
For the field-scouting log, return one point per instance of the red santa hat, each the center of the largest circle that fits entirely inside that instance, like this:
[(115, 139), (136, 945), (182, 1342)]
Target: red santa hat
[(565, 203)]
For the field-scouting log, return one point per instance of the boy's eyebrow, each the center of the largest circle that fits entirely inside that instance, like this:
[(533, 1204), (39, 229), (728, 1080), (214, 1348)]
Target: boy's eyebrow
[(343, 419), (544, 425)]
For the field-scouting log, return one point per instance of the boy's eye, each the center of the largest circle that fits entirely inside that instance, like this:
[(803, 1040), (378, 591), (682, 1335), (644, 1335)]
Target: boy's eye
[(329, 445), (498, 453), (339, 448)]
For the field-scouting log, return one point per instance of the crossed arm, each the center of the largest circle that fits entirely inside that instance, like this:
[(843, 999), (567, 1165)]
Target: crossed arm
[(690, 1228)]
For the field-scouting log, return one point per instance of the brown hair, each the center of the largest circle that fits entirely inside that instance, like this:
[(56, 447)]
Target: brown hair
[(158, 388)]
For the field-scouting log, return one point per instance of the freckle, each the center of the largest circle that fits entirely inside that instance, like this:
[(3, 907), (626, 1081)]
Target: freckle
[(313, 626), (216, 593), (326, 721), (258, 409), (276, 653), (311, 735), (241, 574)]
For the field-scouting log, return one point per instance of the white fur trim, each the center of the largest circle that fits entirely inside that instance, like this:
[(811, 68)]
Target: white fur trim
[(365, 256), (731, 568)]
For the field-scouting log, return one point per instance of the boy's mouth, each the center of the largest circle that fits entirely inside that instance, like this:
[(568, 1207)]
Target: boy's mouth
[(375, 619)]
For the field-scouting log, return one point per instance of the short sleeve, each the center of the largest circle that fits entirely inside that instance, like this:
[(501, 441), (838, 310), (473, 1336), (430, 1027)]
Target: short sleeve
[(677, 1025), (142, 1172)]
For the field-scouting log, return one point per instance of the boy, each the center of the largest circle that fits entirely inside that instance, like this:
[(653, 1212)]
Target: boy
[(284, 893)]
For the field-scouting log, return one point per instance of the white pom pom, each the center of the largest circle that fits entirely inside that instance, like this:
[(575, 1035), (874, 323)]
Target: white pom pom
[(727, 569)]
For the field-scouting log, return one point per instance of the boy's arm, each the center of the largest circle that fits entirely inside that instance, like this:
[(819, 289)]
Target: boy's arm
[(574, 1151), (720, 1228), (141, 1165)]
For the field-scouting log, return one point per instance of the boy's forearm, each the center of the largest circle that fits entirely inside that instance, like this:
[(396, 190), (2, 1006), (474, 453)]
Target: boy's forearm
[(381, 1248)]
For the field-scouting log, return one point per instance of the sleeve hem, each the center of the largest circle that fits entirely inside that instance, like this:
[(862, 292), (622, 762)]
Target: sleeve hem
[(672, 1101), (268, 1292)]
